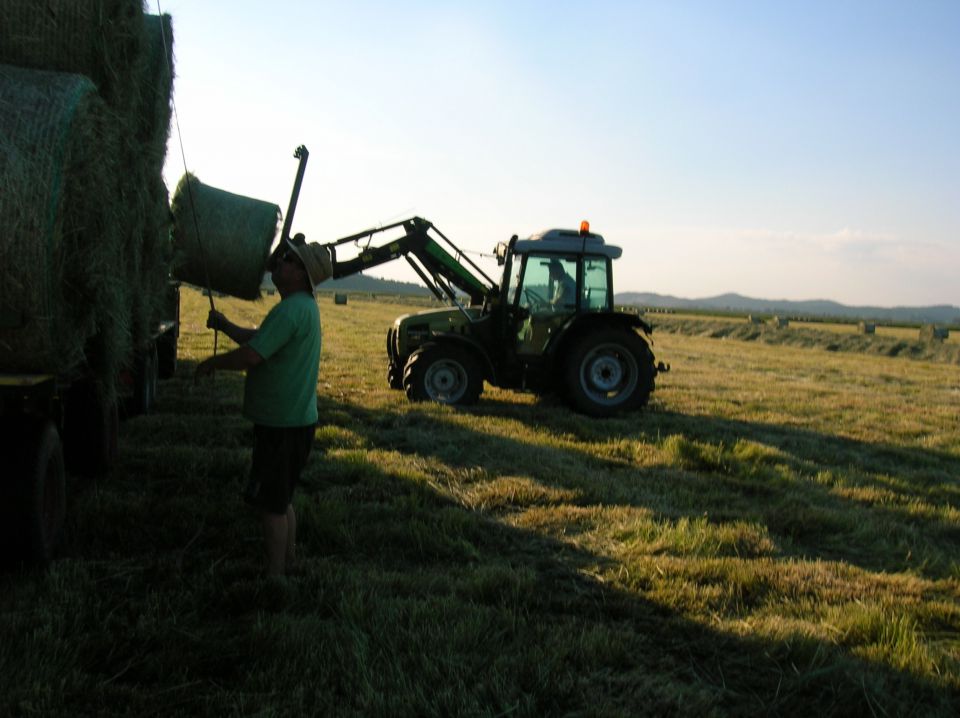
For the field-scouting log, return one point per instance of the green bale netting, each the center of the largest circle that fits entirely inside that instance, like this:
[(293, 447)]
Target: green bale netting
[(153, 283), (59, 284), (155, 79), (143, 197), (235, 237), (101, 39)]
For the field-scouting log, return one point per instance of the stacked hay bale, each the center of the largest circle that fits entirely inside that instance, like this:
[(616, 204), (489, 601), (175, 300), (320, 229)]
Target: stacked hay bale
[(84, 114), (55, 133), (235, 234)]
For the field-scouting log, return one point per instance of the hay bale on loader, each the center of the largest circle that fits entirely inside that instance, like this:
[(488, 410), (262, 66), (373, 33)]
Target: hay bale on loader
[(59, 284), (236, 233)]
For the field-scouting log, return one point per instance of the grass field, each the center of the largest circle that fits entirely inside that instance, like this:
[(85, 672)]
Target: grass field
[(777, 533)]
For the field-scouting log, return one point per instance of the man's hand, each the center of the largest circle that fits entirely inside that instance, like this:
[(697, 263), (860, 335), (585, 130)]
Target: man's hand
[(216, 321)]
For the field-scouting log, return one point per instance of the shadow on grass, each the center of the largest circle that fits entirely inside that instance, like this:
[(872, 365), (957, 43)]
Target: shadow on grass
[(409, 603), (819, 496), (711, 668)]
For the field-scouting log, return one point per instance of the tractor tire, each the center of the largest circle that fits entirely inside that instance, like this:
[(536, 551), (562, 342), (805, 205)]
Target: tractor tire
[(607, 372), (91, 427), (167, 354), (35, 493), (443, 373), (394, 376)]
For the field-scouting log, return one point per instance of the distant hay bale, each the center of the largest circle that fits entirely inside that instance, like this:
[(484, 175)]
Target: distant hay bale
[(101, 39), (235, 237), (780, 322), (339, 298), (59, 283), (867, 328), (932, 333)]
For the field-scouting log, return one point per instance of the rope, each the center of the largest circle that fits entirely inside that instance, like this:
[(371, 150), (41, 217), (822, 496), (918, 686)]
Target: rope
[(183, 157)]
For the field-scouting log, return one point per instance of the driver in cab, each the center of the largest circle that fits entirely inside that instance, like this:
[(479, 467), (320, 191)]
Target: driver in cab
[(565, 287)]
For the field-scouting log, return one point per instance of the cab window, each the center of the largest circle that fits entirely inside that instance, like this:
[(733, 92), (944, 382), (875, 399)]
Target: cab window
[(549, 284), (595, 282)]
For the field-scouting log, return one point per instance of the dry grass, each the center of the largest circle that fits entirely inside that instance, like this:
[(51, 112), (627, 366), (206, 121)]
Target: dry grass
[(776, 534)]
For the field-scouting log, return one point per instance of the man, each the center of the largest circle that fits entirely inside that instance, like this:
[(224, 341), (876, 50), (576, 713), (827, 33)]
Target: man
[(565, 287), (282, 361)]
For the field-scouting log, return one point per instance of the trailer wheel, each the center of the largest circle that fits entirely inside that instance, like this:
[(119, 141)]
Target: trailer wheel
[(608, 371), (145, 380), (442, 373), (91, 426), (167, 354), (36, 500)]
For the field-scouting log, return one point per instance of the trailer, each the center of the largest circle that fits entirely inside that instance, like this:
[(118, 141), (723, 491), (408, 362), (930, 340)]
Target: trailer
[(52, 426)]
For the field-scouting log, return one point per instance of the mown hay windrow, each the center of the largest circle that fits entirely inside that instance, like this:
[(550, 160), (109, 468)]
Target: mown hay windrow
[(101, 39), (59, 283), (235, 237)]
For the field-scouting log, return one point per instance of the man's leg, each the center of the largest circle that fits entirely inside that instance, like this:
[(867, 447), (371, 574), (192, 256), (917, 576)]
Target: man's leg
[(275, 532)]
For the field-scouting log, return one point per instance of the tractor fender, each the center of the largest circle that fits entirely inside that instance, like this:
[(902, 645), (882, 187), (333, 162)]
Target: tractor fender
[(580, 324), (471, 345)]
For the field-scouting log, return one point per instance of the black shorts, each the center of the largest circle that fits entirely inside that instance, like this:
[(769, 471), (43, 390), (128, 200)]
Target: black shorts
[(279, 455)]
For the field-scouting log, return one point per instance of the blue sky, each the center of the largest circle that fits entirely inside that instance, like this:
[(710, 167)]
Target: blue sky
[(792, 150)]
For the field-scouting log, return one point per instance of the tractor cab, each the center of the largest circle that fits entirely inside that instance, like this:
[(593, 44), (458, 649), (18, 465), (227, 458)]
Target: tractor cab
[(550, 278)]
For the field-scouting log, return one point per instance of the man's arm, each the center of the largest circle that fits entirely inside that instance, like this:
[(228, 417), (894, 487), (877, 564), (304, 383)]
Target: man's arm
[(217, 321), (240, 359)]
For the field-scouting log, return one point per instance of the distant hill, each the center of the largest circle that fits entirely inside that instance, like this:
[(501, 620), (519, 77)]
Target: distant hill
[(821, 308), (939, 314)]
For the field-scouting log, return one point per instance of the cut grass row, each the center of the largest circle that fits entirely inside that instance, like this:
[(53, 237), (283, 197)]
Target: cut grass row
[(777, 533)]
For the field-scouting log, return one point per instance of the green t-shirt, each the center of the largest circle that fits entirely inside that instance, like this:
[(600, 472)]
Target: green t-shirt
[(282, 389)]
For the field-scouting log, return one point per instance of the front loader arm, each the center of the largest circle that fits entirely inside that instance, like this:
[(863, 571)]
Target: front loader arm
[(437, 267)]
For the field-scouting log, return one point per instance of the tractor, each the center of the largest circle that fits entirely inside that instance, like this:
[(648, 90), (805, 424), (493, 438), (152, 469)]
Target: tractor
[(549, 326)]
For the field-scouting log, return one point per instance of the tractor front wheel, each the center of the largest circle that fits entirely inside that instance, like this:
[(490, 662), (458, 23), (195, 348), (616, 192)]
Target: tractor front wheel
[(607, 372), (442, 373)]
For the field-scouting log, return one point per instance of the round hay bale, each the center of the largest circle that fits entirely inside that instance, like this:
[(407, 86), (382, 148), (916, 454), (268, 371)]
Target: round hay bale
[(59, 284), (153, 281), (339, 298), (235, 237), (155, 79), (101, 39)]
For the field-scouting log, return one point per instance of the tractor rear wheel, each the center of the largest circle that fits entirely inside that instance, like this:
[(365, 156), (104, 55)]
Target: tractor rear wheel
[(442, 373), (608, 371)]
